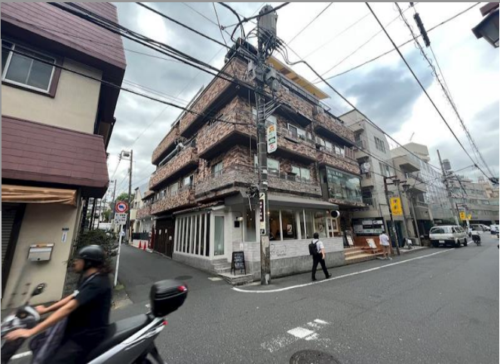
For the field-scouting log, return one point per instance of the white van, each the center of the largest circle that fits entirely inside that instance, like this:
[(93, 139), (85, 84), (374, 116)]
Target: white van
[(448, 235)]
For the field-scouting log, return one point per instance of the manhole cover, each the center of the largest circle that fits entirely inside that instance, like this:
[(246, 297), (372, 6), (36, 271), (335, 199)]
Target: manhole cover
[(183, 278), (312, 357)]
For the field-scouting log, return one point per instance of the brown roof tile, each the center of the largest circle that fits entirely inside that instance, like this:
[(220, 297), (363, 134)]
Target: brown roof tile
[(42, 154)]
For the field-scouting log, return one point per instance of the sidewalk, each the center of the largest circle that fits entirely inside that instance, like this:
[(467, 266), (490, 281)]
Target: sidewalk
[(304, 279)]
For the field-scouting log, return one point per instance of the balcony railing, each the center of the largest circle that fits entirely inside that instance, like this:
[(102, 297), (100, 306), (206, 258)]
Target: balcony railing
[(144, 212), (176, 165), (370, 202), (244, 175), (165, 144), (338, 161), (180, 198)]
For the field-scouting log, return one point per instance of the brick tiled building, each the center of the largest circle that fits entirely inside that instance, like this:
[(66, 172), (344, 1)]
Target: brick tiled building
[(56, 125), (201, 203)]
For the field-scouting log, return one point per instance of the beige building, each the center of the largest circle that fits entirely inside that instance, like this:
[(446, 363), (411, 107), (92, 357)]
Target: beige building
[(56, 125)]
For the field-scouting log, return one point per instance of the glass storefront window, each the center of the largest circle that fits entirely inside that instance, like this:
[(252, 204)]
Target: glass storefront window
[(343, 186), (289, 225), (307, 224), (274, 225), (250, 226), (320, 223)]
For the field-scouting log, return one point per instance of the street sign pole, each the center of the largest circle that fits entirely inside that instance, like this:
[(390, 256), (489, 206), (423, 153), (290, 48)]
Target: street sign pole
[(118, 255), (121, 209)]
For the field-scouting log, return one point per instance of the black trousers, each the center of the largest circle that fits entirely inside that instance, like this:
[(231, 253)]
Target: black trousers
[(318, 259), (69, 353)]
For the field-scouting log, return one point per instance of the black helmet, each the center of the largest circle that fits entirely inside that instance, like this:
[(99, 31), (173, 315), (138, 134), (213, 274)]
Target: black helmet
[(93, 255)]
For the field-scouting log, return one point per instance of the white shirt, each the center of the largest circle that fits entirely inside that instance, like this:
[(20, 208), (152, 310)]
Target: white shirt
[(319, 245), (384, 240)]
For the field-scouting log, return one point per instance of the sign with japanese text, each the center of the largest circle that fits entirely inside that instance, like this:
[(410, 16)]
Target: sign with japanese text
[(262, 206), (120, 218), (396, 207), (271, 135), (463, 215)]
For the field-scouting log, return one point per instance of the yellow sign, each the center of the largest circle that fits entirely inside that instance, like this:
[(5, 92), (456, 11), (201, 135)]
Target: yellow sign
[(396, 208), (469, 217), (462, 215)]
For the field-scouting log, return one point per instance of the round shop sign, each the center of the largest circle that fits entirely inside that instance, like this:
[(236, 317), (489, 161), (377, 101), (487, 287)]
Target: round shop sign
[(121, 207)]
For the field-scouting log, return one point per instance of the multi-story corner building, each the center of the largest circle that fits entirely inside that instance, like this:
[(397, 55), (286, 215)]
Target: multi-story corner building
[(205, 168), (409, 162), (56, 125), (374, 158), (476, 198)]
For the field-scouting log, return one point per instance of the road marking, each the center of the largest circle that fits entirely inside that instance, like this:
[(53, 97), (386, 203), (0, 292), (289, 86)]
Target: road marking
[(295, 335), (215, 279), (342, 276), (300, 332), (21, 355)]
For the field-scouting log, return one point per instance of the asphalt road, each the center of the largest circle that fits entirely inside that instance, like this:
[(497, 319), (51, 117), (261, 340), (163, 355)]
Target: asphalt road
[(439, 308), (431, 306)]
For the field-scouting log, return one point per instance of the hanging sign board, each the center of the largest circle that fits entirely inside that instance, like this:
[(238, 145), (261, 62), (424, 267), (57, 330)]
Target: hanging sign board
[(271, 135), (262, 205), (463, 215), (396, 208)]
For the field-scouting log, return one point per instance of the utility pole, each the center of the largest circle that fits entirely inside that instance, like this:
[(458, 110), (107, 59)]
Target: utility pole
[(397, 182), (412, 210), (91, 227), (445, 175), (129, 192), (392, 229), (113, 202), (266, 43)]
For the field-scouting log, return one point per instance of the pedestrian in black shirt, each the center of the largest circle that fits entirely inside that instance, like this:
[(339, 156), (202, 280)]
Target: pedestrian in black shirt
[(86, 310)]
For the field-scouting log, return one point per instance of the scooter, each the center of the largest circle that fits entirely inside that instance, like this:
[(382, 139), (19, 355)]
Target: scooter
[(128, 341), (476, 239)]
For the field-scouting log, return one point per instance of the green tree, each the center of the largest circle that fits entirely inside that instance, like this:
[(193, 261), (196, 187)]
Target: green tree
[(106, 215)]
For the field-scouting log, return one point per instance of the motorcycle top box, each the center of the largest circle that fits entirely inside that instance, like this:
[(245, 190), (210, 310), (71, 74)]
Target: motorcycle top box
[(167, 296)]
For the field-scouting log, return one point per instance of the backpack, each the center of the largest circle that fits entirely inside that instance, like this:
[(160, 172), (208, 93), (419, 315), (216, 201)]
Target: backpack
[(313, 248)]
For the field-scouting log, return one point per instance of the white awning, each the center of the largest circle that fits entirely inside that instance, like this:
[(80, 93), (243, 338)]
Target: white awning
[(300, 202)]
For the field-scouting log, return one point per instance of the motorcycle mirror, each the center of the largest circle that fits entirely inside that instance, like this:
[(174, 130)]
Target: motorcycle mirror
[(39, 289)]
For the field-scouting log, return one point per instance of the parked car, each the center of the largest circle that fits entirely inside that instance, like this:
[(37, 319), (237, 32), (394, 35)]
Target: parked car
[(448, 235), (494, 229), (477, 227), (485, 227)]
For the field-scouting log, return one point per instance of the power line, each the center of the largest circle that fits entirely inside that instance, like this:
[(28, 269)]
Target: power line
[(183, 25), (166, 107), (336, 36), (110, 84), (424, 90), (444, 87), (402, 44), (357, 49), (308, 24), (220, 27), (350, 104)]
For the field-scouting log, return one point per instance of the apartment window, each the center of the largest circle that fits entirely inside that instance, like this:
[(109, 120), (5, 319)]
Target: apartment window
[(217, 169), (298, 133), (379, 144), (273, 165), (302, 174), (187, 181), (385, 170), (173, 188), (26, 71)]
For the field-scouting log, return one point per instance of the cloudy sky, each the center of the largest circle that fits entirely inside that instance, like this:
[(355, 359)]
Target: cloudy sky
[(384, 89)]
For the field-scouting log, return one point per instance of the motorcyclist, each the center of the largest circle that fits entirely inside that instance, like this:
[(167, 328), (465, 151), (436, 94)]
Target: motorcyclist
[(87, 309)]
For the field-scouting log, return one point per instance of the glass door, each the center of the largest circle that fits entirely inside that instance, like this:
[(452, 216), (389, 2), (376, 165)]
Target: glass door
[(218, 235)]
